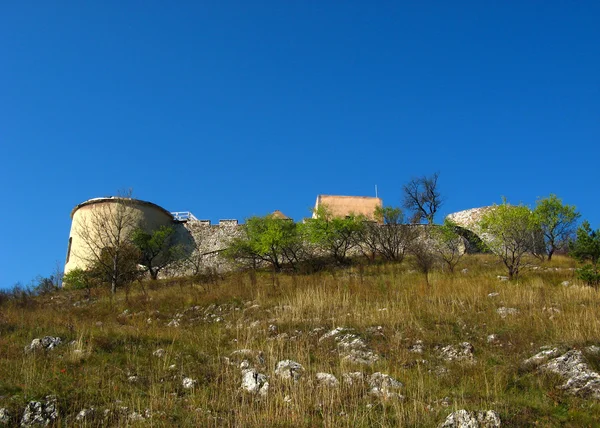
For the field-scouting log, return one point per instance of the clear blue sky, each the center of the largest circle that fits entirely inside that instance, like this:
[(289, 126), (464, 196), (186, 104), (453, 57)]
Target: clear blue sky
[(234, 108)]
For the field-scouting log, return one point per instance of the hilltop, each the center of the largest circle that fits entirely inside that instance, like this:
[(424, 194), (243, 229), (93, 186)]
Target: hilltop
[(360, 346)]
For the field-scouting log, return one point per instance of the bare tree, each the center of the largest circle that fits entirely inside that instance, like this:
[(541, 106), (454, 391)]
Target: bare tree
[(388, 237), (424, 259), (422, 197), (106, 236)]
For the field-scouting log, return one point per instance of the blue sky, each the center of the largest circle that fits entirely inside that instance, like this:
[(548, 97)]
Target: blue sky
[(236, 108)]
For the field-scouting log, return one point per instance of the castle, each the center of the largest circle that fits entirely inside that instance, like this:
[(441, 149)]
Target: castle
[(93, 221)]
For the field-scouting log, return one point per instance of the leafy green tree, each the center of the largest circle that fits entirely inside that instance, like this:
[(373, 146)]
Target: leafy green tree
[(510, 233), (157, 249), (448, 243), (586, 248), (557, 222), (334, 236), (80, 279), (268, 239)]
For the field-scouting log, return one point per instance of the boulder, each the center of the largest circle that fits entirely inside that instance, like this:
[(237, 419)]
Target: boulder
[(461, 352), (255, 382), (385, 386), (326, 379), (45, 343), (40, 413), (465, 419), (4, 416), (288, 369)]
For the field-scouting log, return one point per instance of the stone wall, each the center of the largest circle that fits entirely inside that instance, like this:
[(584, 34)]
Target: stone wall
[(204, 243)]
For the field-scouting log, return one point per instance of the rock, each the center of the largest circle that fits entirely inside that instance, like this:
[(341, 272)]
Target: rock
[(133, 379), (85, 414), (504, 312), (351, 347), (385, 386), (45, 343), (417, 348), (593, 349), (327, 379), (288, 369), (492, 338), (461, 352), (464, 419), (565, 283), (135, 417), (4, 416), (353, 378), (255, 382), (581, 379), (542, 357), (356, 356), (188, 383), (40, 413), (159, 353), (464, 271), (493, 294), (249, 356)]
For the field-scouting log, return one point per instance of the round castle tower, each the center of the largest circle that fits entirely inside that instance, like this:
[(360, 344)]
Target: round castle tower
[(95, 223)]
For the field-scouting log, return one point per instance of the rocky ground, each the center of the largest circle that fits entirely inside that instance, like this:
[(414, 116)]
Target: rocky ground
[(343, 348)]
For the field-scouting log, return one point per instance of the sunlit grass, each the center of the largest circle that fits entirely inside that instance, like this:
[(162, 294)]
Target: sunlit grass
[(107, 361)]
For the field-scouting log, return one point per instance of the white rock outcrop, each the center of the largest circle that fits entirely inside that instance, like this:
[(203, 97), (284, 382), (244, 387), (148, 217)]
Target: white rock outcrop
[(45, 343), (464, 419), (255, 383), (40, 413), (289, 369)]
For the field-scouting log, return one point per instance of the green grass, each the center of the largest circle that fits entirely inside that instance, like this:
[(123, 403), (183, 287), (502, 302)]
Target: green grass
[(235, 312)]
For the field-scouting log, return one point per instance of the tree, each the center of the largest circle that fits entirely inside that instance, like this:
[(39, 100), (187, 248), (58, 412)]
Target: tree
[(422, 197), (157, 249), (424, 259), (269, 239), (510, 233), (557, 222), (388, 236), (332, 235), (448, 243), (586, 247), (106, 236)]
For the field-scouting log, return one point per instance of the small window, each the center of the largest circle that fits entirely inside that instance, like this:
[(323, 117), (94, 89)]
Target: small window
[(69, 249)]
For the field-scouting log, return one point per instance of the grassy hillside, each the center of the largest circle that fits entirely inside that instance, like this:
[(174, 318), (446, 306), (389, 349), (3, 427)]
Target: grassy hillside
[(108, 358)]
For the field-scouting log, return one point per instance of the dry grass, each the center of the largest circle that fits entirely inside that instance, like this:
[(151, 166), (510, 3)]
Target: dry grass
[(389, 306)]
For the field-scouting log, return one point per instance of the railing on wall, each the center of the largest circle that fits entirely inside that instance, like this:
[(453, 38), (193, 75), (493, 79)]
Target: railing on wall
[(183, 216)]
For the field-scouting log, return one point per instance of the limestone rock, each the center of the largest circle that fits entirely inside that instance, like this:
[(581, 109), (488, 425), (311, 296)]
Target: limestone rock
[(85, 414), (353, 378), (188, 383), (288, 369), (461, 352), (464, 419), (159, 353), (40, 413), (385, 386), (504, 312), (581, 380), (4, 416), (45, 343), (255, 382), (327, 379), (417, 348)]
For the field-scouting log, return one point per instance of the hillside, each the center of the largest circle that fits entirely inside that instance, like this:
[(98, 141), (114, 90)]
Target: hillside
[(374, 346)]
